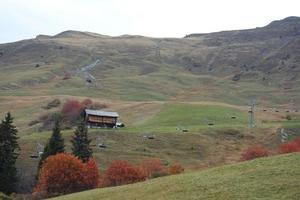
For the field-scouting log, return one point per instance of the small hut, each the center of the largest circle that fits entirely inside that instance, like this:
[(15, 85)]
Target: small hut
[(100, 119)]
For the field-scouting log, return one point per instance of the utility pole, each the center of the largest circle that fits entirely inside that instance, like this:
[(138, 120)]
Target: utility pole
[(157, 52), (251, 114)]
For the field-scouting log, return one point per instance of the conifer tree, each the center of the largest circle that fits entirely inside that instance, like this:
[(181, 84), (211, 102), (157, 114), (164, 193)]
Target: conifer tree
[(8, 155), (55, 144), (81, 142)]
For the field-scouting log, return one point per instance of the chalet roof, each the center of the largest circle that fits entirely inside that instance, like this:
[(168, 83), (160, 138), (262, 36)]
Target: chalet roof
[(101, 113)]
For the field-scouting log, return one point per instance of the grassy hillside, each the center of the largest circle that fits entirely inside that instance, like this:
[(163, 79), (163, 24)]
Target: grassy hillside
[(231, 66), (202, 146), (155, 116), (197, 115), (274, 178), (159, 86)]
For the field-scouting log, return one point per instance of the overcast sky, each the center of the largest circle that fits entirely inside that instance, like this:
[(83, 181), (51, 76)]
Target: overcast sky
[(22, 19)]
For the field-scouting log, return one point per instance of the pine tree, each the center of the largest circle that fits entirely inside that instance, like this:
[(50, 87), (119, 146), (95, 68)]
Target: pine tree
[(8, 155), (81, 143), (55, 144)]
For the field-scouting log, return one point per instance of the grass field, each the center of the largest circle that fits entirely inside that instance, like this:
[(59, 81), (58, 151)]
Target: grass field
[(273, 178), (155, 116), (193, 115), (202, 146)]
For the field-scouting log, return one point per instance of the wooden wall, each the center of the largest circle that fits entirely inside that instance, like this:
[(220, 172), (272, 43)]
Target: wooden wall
[(100, 119)]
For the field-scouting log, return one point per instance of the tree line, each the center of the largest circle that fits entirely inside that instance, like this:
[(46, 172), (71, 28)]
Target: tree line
[(9, 149)]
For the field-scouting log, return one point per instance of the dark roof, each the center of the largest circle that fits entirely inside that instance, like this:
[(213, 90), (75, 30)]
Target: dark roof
[(101, 113)]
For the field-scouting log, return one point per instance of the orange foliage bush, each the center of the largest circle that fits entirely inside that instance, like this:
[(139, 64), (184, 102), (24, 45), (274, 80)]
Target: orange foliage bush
[(121, 172), (65, 173), (176, 169), (289, 147), (154, 168), (254, 152), (91, 174)]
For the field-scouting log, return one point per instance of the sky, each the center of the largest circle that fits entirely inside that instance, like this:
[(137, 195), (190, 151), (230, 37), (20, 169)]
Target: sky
[(24, 19)]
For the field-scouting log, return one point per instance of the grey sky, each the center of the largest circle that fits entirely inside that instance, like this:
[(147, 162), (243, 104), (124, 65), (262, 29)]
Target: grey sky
[(22, 19)]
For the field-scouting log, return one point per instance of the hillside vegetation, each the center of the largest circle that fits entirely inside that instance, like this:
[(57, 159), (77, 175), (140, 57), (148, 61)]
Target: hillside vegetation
[(191, 95), (202, 146), (268, 178), (229, 66)]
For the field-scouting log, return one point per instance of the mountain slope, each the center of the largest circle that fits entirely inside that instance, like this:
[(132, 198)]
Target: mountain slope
[(269, 178), (261, 63)]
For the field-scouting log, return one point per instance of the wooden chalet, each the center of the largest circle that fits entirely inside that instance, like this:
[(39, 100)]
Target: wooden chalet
[(101, 119)]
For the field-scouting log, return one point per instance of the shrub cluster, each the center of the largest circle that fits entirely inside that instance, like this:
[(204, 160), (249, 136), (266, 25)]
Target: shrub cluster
[(154, 168), (121, 172), (64, 173), (70, 112), (73, 109), (289, 147), (254, 152), (260, 151), (175, 169)]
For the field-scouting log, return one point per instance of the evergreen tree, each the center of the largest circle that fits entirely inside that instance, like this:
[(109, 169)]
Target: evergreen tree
[(8, 155), (55, 144), (81, 143)]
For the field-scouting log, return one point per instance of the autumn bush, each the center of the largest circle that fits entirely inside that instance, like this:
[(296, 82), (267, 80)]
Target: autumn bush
[(289, 147), (71, 110), (254, 152), (64, 173), (91, 174), (121, 172), (154, 168), (297, 140), (176, 169)]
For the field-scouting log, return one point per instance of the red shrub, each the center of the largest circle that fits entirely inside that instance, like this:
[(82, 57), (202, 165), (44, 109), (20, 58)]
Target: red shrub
[(153, 168), (121, 172), (65, 173), (91, 174), (176, 169), (72, 109), (254, 152), (289, 147), (297, 141)]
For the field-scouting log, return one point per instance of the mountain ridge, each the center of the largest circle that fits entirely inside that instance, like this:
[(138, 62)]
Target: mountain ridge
[(267, 56)]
